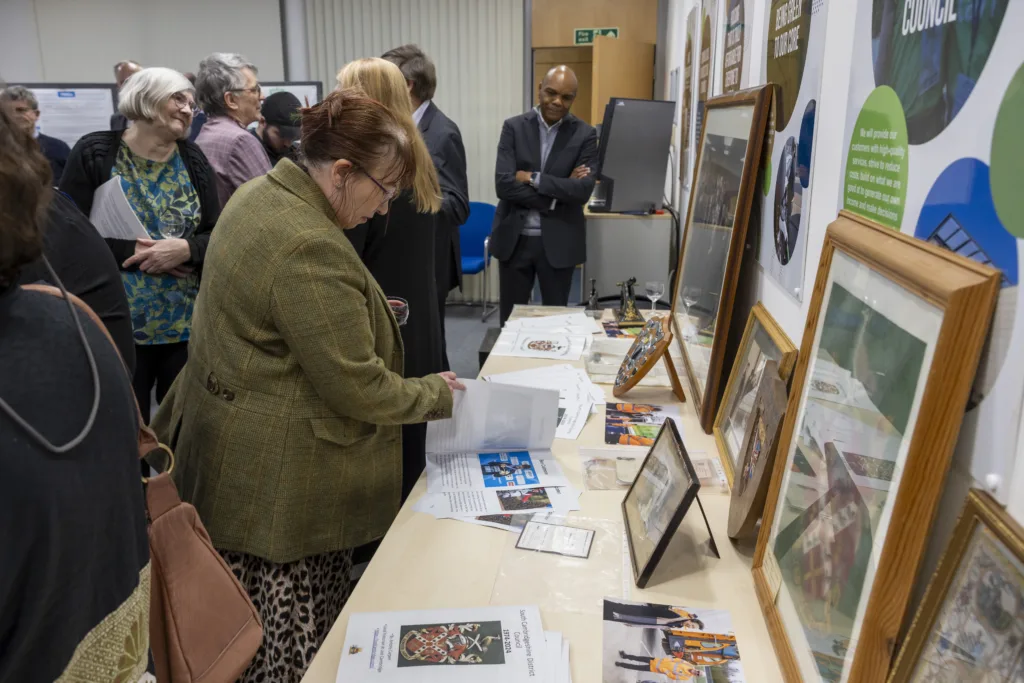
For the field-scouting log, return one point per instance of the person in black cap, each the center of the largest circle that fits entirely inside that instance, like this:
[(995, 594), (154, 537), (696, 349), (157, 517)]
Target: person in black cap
[(279, 126)]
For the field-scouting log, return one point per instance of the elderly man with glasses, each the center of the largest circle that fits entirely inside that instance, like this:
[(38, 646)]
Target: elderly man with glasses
[(228, 91)]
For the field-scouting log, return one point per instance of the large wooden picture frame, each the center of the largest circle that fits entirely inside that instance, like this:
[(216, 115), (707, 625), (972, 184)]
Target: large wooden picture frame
[(724, 188), (889, 353), (763, 340), (969, 626)]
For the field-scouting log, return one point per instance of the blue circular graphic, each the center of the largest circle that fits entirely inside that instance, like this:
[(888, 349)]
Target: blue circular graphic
[(804, 144), (959, 214)]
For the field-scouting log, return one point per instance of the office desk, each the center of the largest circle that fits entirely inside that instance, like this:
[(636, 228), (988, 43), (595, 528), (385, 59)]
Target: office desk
[(427, 563), (620, 246)]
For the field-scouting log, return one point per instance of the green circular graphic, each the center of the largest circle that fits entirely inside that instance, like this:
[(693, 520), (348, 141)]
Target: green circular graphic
[(875, 182), (789, 24), (1007, 163)]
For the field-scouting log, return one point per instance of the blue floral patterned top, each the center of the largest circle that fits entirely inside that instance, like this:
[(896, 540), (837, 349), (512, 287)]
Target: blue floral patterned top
[(161, 305)]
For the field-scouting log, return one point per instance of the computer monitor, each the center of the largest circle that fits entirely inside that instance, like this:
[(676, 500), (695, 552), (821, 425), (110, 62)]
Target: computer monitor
[(632, 156)]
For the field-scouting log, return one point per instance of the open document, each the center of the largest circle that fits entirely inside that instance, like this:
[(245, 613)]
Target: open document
[(493, 644), (577, 395), (497, 502), (112, 215), (481, 471)]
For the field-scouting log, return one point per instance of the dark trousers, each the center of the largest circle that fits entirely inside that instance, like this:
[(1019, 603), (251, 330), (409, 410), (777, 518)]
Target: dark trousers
[(442, 267), (414, 455), (516, 276), (156, 364)]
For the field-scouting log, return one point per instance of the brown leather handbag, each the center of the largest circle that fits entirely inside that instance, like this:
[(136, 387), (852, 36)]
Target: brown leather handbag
[(203, 628)]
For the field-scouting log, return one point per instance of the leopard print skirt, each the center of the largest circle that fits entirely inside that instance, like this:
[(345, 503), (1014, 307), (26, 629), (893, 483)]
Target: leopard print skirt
[(298, 603)]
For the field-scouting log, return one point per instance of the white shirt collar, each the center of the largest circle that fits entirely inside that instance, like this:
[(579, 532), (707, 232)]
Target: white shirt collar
[(418, 114)]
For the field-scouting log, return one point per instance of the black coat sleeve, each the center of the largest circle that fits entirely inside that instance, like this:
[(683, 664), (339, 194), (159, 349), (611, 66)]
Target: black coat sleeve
[(204, 180), (451, 174), (505, 184), (79, 179), (573, 190)]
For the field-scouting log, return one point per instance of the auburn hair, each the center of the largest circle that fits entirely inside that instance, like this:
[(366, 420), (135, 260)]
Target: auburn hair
[(384, 82), (348, 124), (25, 189)]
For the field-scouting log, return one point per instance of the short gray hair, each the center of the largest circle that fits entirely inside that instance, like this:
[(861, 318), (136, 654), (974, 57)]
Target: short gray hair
[(142, 95), (19, 93), (220, 73)]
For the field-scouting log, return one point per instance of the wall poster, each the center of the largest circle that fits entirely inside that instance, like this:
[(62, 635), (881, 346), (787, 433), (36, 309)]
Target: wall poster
[(794, 49), (736, 61), (935, 149), (705, 63), (686, 107)]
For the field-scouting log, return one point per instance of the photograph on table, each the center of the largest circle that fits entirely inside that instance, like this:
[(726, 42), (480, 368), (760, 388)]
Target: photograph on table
[(648, 349), (646, 642), (635, 424), (763, 340), (711, 252), (757, 453), (902, 324), (970, 626), (656, 503), (451, 644)]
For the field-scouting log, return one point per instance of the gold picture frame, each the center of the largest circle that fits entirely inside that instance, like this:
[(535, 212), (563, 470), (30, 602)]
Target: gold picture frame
[(724, 189), (772, 343), (889, 352), (970, 599)]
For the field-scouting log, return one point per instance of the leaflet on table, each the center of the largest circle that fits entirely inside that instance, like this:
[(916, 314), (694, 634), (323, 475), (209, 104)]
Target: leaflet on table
[(496, 644), (499, 470), (578, 321), (498, 501), (528, 343), (572, 417), (112, 215), (668, 643), (556, 539), (636, 424), (489, 417)]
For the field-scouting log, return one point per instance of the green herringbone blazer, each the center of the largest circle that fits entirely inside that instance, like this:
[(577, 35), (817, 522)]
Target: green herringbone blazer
[(285, 421)]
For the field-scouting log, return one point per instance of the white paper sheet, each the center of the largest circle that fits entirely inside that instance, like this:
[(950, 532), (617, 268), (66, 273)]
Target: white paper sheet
[(490, 417), (505, 644), (528, 343), (554, 655), (556, 539), (492, 502), (578, 321), (572, 418), (501, 470), (113, 215), (577, 395)]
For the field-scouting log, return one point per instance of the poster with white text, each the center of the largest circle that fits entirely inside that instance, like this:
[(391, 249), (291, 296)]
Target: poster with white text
[(736, 45), (935, 149)]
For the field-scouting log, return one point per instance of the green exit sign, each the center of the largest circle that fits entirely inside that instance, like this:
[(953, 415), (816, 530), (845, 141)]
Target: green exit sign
[(585, 36)]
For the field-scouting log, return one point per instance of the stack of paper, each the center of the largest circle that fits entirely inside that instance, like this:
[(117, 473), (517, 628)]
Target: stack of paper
[(493, 644), (557, 337), (493, 457), (577, 395)]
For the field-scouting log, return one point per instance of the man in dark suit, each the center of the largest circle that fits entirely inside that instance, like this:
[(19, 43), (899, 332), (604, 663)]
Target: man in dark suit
[(23, 108), (445, 144), (542, 178)]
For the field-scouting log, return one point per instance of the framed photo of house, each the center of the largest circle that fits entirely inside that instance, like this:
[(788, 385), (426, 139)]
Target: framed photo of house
[(711, 253), (757, 453), (970, 626), (664, 489), (889, 353), (763, 340)]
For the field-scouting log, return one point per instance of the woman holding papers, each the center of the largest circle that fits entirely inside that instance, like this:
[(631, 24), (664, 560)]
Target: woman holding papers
[(286, 419), (399, 248), (169, 206)]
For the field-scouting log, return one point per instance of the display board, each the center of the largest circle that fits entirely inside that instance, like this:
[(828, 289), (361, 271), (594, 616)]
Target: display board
[(67, 111), (737, 36), (935, 149), (686, 106), (705, 59), (794, 49), (308, 92)]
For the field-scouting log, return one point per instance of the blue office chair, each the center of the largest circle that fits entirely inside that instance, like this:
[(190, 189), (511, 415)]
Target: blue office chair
[(474, 239)]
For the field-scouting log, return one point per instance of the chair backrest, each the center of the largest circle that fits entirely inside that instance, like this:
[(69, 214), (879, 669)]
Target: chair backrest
[(476, 228)]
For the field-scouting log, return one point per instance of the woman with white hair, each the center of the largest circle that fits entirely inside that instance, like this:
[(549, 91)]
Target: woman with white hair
[(171, 188), (229, 92)]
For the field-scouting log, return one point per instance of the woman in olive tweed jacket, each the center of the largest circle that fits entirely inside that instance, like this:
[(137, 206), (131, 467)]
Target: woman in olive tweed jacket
[(286, 419)]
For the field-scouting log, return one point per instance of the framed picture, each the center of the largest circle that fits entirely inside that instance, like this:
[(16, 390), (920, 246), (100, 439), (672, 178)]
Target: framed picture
[(712, 248), (757, 453), (763, 340), (970, 626), (650, 346), (889, 353), (657, 501)]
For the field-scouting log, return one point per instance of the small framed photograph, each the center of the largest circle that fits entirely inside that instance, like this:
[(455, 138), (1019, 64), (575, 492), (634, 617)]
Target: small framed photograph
[(970, 626), (656, 503)]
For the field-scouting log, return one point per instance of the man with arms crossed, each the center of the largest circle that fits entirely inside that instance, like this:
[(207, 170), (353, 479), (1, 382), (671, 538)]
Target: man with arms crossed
[(542, 178)]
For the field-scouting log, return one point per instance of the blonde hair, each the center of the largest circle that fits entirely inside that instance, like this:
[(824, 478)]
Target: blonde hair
[(384, 82)]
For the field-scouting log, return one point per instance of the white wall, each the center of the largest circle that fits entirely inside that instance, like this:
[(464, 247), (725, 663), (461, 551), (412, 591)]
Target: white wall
[(80, 41)]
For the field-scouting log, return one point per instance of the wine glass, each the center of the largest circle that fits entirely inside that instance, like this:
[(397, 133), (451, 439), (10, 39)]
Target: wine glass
[(174, 224), (400, 307), (655, 290)]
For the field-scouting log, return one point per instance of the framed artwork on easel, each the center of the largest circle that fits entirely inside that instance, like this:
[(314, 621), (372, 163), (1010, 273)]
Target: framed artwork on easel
[(711, 252), (889, 352)]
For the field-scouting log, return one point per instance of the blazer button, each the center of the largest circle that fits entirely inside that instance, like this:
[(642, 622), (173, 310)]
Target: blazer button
[(228, 395), (212, 385)]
